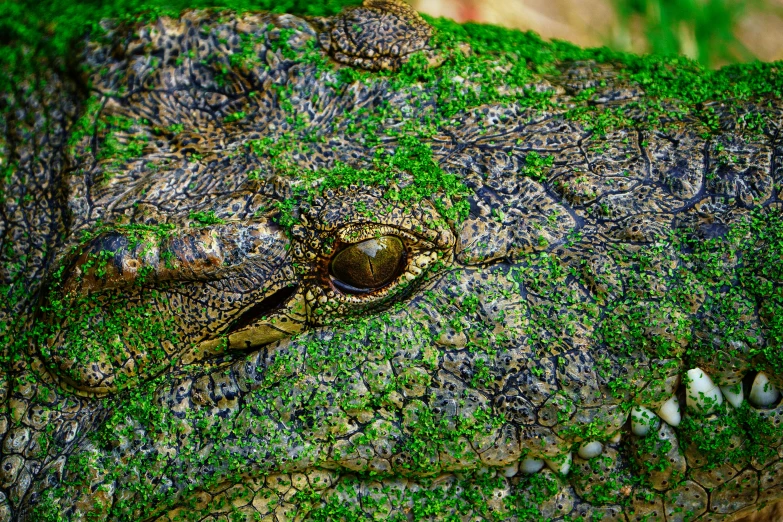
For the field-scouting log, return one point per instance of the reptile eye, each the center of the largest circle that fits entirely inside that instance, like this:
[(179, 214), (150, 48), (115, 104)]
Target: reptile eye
[(363, 267)]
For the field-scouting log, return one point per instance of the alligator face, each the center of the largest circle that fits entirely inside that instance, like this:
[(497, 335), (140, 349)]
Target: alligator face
[(474, 283)]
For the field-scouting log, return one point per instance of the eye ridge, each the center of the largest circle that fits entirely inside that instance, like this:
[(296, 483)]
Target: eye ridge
[(369, 265)]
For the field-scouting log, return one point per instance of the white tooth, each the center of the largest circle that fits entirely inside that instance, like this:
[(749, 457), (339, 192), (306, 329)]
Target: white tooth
[(642, 421), (734, 394), (560, 465), (531, 466), (588, 450), (511, 470), (701, 393), (670, 412), (763, 393), (617, 437)]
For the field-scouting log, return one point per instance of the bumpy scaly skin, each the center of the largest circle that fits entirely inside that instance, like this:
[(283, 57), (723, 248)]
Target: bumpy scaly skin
[(192, 357), (380, 35)]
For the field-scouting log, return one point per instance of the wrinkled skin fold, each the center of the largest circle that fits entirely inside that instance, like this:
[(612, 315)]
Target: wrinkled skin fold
[(573, 295)]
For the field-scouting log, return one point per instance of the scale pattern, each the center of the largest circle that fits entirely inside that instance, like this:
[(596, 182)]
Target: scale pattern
[(198, 361)]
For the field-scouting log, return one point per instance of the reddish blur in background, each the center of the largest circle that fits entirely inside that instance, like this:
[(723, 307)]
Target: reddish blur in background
[(714, 32)]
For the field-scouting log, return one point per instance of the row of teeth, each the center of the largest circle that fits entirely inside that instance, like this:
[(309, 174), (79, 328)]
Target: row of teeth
[(702, 394)]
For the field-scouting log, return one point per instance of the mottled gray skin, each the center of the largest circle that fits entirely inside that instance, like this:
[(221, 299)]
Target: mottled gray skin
[(303, 397)]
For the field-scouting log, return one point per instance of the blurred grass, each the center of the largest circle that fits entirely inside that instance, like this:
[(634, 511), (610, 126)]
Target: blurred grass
[(700, 29)]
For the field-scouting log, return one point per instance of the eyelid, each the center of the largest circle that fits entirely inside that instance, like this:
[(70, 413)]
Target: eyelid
[(356, 233)]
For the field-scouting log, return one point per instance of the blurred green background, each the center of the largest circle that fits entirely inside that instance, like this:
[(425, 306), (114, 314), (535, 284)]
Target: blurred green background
[(713, 32)]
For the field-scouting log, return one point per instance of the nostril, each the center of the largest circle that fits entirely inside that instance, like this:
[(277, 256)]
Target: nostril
[(263, 308)]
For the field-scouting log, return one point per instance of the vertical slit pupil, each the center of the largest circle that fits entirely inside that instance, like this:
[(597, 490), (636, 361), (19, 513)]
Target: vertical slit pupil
[(368, 265)]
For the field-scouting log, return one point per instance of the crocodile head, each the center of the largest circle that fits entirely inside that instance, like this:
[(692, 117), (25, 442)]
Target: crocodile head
[(356, 267)]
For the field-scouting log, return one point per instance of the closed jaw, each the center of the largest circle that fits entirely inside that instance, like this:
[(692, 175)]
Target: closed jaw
[(702, 397)]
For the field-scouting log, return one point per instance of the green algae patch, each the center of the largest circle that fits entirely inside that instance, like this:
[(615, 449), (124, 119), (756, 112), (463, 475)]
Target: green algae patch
[(248, 436), (407, 175), (315, 388), (125, 342), (204, 218), (667, 88), (106, 340), (736, 436), (53, 25)]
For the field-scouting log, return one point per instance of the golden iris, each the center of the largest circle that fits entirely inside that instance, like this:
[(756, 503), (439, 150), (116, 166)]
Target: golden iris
[(370, 264)]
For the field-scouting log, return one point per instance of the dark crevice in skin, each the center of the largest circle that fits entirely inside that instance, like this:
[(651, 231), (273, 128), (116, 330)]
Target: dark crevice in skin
[(263, 308), (682, 395), (747, 384)]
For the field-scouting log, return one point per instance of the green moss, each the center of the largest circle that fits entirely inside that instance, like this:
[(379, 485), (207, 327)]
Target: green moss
[(734, 436), (204, 218), (536, 165), (287, 405), (95, 331), (412, 157)]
